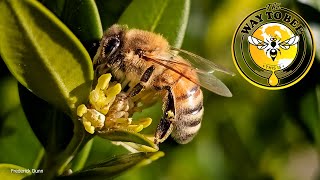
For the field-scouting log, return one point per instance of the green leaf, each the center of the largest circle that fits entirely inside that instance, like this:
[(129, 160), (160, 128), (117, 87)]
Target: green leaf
[(316, 31), (310, 112), (81, 158), (56, 6), (126, 136), (115, 166), (43, 54), (313, 3), (110, 11), (17, 141), (310, 11), (82, 17), (167, 17), (53, 128), (9, 96), (5, 172)]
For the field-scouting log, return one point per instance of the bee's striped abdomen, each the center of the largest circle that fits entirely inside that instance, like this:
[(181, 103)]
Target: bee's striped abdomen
[(189, 111)]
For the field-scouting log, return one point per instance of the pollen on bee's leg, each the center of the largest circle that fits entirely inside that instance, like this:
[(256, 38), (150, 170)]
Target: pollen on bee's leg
[(165, 127), (170, 115)]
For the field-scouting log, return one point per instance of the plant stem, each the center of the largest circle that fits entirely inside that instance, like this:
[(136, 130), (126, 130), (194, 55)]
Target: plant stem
[(38, 160), (56, 164), (81, 158), (70, 152)]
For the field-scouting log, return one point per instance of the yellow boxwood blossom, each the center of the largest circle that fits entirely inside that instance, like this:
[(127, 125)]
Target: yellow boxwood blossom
[(109, 108)]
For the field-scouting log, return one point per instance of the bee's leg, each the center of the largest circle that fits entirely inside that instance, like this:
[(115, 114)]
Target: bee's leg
[(147, 74), (136, 89), (143, 79), (165, 126)]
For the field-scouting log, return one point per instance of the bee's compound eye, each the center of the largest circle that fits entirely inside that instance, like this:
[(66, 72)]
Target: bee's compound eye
[(111, 46)]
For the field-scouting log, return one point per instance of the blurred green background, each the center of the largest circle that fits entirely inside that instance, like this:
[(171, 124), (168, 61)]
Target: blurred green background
[(256, 134)]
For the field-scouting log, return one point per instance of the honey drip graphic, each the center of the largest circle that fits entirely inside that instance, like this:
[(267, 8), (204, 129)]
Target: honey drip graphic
[(273, 80)]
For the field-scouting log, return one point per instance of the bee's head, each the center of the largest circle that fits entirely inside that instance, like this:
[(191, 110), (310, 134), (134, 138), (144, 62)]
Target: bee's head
[(110, 45)]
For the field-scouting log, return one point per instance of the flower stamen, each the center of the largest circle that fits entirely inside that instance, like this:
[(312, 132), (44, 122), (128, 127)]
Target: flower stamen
[(110, 108)]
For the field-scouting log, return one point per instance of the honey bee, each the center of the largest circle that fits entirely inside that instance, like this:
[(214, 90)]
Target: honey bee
[(144, 62)]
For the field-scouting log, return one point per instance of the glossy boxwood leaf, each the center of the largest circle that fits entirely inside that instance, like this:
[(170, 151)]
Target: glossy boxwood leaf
[(167, 17), (126, 136), (18, 145), (53, 128), (310, 11), (310, 112), (4, 71), (5, 172), (80, 160), (17, 141), (313, 3), (110, 11), (9, 97), (82, 17), (56, 6), (43, 54), (115, 166)]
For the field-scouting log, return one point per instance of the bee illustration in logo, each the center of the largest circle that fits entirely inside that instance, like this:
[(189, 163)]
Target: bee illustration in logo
[(273, 45), (143, 62)]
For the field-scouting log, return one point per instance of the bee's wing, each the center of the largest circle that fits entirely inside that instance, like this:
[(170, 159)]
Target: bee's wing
[(203, 68), (289, 42), (213, 84), (199, 63), (257, 42)]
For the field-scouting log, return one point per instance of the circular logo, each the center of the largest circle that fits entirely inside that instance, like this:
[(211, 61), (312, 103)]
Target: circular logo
[(270, 47)]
